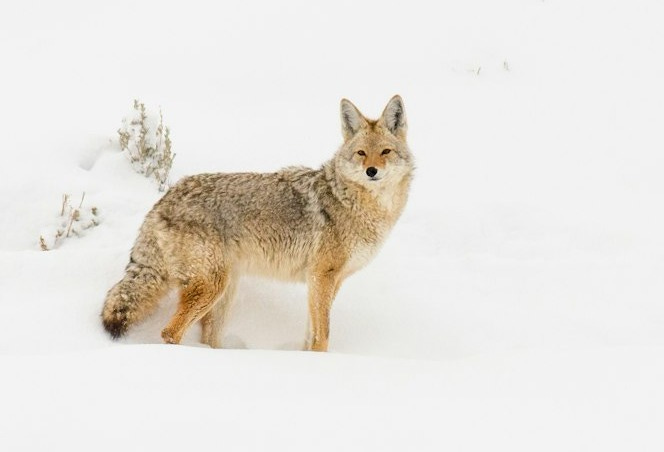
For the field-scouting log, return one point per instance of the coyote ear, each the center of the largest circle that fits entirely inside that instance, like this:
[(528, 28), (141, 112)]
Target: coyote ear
[(351, 119), (394, 116)]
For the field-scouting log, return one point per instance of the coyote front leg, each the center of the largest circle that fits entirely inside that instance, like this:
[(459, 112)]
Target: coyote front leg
[(323, 287)]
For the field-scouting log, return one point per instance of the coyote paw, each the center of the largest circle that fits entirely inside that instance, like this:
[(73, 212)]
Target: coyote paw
[(168, 337)]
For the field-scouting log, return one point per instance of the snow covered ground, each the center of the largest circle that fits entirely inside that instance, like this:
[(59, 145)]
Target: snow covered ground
[(518, 305)]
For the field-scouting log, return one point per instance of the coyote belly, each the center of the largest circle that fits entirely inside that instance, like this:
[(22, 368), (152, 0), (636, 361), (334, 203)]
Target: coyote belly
[(316, 226)]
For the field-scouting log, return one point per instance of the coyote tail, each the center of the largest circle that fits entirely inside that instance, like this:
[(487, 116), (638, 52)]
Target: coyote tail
[(136, 295)]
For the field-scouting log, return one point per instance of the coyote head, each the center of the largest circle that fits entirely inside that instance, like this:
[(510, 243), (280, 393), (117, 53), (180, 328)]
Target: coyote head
[(374, 151)]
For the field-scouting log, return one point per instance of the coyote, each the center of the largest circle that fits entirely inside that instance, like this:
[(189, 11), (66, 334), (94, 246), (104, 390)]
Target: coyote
[(298, 224)]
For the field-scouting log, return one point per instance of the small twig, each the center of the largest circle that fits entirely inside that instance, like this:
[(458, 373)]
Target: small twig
[(58, 234), (75, 215), (71, 222), (65, 199)]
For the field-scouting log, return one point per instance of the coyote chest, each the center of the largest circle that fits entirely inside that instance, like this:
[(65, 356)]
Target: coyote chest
[(360, 256)]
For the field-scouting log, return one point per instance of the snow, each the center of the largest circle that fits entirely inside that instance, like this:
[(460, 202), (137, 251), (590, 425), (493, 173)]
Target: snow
[(154, 397), (517, 305)]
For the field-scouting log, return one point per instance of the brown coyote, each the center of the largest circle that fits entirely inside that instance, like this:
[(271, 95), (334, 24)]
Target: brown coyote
[(299, 224)]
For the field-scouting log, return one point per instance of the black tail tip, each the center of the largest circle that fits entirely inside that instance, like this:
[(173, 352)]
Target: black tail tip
[(116, 328)]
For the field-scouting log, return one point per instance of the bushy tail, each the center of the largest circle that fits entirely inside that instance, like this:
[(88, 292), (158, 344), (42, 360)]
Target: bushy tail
[(136, 295)]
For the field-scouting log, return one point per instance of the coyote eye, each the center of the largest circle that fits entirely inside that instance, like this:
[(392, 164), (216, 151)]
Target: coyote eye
[(362, 153), (386, 151)]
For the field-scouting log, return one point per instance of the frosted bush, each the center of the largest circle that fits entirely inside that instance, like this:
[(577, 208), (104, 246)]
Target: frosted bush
[(72, 222), (147, 143)]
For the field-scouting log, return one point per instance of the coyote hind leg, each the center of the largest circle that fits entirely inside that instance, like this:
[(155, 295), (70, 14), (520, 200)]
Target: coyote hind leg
[(197, 297), (213, 321)]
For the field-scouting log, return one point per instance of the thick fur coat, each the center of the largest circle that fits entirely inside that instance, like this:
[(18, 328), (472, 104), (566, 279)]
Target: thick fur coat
[(316, 226)]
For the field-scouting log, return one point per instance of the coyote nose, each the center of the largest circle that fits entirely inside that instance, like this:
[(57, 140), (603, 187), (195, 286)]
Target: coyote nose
[(372, 171)]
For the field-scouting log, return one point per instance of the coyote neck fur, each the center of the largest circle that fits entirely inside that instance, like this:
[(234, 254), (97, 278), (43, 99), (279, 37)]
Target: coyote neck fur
[(381, 206), (363, 217)]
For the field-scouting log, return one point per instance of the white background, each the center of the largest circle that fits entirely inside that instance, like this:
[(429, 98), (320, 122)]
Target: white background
[(516, 306)]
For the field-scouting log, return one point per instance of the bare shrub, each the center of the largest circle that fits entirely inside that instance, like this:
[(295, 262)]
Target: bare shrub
[(71, 222), (147, 143)]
